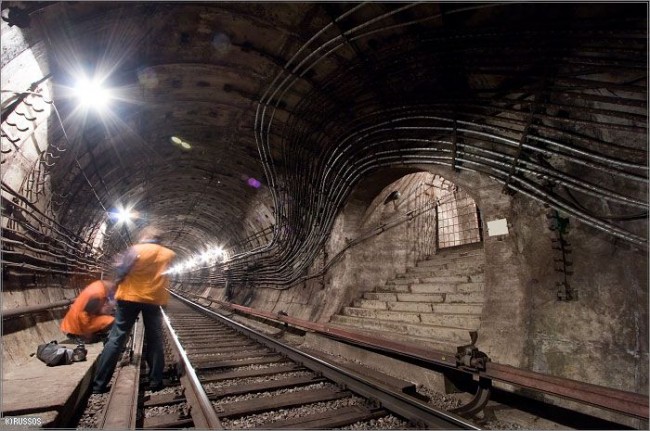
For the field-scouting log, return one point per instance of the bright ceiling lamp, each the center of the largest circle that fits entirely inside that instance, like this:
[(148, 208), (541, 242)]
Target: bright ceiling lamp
[(91, 94), (123, 215)]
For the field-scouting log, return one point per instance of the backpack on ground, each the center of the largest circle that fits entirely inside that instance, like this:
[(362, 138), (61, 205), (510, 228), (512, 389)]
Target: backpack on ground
[(54, 354)]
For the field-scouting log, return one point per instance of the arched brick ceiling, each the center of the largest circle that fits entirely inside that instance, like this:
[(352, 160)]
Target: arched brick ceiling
[(309, 98)]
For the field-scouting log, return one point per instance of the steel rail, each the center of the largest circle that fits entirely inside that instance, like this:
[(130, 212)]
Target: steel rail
[(628, 403), (599, 396), (403, 405), (121, 409), (202, 411)]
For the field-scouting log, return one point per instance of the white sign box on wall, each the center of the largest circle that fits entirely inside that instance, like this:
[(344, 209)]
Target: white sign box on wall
[(497, 227)]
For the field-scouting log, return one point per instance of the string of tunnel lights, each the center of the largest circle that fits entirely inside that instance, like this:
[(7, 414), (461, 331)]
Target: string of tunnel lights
[(206, 259)]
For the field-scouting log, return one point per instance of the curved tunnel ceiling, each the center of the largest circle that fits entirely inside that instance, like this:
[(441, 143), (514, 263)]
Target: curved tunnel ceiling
[(310, 98)]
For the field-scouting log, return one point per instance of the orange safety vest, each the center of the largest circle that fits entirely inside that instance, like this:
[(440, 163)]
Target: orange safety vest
[(79, 322), (145, 281)]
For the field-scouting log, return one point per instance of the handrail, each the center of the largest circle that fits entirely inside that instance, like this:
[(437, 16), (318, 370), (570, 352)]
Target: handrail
[(628, 403)]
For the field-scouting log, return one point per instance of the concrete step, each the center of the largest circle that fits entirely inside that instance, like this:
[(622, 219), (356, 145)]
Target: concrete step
[(407, 301), (425, 271), (467, 321), (403, 280), (441, 272), (394, 288), (474, 309), (467, 263), (413, 307), (458, 336), (415, 312), (470, 287), (398, 316), (434, 288), (460, 278), (380, 296), (420, 297), (465, 298), (372, 304), (462, 251)]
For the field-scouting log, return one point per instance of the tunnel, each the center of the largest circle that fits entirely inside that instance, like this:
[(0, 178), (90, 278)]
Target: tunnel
[(300, 158)]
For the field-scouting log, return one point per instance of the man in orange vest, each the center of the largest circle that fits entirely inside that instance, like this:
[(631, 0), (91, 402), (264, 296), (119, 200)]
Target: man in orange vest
[(142, 288), (90, 315)]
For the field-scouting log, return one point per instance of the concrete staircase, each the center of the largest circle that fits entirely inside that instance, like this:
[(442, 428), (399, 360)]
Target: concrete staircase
[(434, 304)]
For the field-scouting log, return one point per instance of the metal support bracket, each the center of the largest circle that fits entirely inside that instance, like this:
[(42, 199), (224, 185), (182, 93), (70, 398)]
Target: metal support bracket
[(469, 356), (478, 402)]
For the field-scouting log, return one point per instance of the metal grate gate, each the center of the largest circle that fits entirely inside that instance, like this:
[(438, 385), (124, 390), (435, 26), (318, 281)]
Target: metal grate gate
[(458, 220)]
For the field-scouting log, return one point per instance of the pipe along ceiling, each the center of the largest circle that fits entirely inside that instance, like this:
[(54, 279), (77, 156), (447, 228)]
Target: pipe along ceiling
[(219, 108)]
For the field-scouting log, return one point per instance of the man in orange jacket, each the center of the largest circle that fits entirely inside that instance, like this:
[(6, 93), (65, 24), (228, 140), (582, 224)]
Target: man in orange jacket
[(142, 287), (90, 315)]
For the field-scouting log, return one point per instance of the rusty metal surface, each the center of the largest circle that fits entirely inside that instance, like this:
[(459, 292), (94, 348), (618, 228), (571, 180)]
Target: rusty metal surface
[(625, 402), (120, 411), (612, 399)]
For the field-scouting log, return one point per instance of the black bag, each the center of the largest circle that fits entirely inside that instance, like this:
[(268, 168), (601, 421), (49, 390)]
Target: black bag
[(53, 354)]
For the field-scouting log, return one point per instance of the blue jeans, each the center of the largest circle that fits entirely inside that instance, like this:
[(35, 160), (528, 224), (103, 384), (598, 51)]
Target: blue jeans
[(125, 315)]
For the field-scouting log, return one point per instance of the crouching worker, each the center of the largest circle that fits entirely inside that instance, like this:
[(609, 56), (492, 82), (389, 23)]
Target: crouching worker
[(90, 316)]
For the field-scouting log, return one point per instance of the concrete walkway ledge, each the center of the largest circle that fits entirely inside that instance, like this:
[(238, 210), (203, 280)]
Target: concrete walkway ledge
[(35, 395)]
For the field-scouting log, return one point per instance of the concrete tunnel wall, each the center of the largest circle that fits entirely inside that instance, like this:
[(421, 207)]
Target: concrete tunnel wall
[(599, 337)]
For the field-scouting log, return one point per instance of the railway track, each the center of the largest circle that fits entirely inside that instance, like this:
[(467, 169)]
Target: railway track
[(232, 378), (222, 375), (254, 381)]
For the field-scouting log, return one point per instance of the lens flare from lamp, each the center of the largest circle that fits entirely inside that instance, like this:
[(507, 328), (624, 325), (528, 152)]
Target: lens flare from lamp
[(123, 215), (90, 93)]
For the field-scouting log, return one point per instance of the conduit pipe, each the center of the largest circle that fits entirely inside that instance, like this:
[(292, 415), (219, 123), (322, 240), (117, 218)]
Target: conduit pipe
[(43, 269), (32, 309), (290, 248), (281, 270), (54, 248), (53, 222)]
